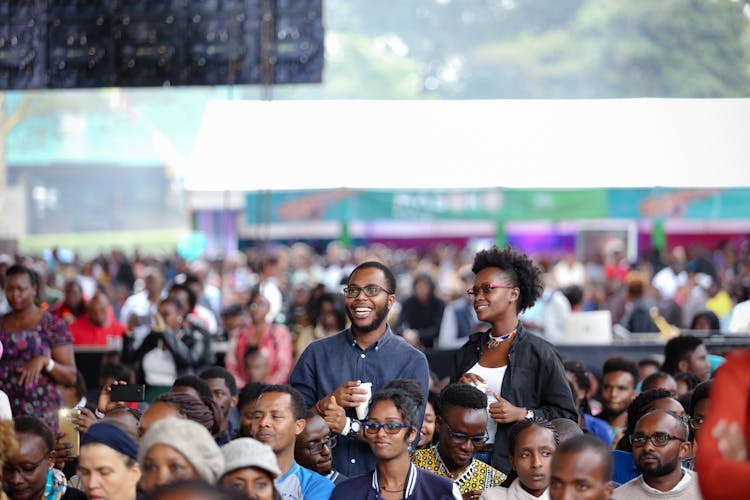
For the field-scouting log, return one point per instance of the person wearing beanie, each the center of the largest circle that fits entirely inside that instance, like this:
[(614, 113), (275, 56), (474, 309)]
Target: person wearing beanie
[(250, 469), (175, 449), (108, 466)]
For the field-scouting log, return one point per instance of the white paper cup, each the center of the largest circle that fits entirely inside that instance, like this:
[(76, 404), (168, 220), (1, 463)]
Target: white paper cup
[(481, 386), (363, 407)]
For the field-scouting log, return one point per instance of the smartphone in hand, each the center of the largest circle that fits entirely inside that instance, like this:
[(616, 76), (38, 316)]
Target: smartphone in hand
[(65, 424), (128, 393)]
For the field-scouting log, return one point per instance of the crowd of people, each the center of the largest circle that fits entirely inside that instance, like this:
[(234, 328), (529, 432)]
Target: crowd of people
[(287, 374)]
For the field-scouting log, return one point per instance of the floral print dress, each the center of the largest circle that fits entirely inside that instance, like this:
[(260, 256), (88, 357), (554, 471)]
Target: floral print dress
[(42, 398)]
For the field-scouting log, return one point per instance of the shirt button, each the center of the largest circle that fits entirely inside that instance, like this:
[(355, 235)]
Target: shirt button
[(362, 356), (354, 461)]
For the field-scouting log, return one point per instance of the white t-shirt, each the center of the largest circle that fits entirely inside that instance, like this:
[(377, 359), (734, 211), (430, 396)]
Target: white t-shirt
[(493, 377), (5, 412), (159, 367)]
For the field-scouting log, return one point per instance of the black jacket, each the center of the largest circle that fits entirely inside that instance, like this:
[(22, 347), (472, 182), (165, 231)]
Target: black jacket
[(190, 351), (535, 379)]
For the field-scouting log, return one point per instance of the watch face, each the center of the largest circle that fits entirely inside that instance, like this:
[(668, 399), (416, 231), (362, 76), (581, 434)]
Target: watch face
[(356, 426)]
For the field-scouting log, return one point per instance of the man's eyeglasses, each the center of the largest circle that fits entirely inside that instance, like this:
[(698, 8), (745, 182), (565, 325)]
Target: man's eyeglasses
[(390, 427), (316, 448), (352, 292), (486, 288), (658, 439), (24, 470), (696, 422), (461, 438)]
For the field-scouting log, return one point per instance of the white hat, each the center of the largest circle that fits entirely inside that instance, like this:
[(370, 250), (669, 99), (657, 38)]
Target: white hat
[(242, 453)]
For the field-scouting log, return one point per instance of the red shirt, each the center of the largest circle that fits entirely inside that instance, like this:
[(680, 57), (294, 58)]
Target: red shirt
[(720, 478), (86, 333)]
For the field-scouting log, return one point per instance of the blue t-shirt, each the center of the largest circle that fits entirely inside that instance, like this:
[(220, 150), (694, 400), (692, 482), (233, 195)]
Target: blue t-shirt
[(300, 483), (599, 428)]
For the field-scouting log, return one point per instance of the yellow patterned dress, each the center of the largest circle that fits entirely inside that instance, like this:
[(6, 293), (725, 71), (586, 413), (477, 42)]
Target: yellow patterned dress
[(478, 476)]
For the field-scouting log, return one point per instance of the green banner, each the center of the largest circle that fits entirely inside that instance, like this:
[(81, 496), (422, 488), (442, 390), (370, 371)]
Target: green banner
[(480, 204)]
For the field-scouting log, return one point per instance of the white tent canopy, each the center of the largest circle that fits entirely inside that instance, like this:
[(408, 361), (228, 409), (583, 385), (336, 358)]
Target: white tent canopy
[(288, 145)]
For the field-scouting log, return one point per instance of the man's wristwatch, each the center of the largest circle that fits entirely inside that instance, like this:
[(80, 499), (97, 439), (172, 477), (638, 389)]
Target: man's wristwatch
[(355, 426), (530, 415)]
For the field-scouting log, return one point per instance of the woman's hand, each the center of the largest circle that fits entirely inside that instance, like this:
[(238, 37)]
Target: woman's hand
[(83, 419), (471, 379), (30, 373), (503, 412), (63, 451)]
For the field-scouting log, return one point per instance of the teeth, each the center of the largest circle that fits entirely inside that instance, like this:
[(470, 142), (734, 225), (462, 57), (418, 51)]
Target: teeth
[(362, 309)]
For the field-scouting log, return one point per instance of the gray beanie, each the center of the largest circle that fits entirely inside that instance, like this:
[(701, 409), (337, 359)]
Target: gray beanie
[(242, 453), (189, 438)]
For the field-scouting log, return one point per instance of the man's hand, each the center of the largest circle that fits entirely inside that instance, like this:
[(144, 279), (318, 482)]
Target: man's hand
[(349, 394), (503, 412), (105, 403), (333, 413)]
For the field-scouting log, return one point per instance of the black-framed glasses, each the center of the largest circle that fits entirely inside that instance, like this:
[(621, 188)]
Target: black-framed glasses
[(658, 439), (24, 470), (352, 292), (696, 422), (461, 438), (316, 448), (390, 427), (486, 288)]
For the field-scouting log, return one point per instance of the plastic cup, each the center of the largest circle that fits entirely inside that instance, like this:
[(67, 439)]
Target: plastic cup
[(363, 407)]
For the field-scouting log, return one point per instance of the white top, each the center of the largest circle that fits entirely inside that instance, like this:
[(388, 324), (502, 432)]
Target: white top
[(740, 321), (5, 411), (139, 305), (514, 492), (159, 367), (493, 377)]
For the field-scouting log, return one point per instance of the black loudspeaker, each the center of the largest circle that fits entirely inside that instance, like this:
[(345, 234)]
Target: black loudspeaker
[(23, 34), (79, 45), (146, 43), (224, 41), (299, 41)]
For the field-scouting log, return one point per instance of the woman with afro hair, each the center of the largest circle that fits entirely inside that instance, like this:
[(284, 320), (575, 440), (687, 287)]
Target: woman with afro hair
[(522, 373)]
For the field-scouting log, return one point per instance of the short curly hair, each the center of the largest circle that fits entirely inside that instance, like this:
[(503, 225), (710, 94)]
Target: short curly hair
[(520, 270)]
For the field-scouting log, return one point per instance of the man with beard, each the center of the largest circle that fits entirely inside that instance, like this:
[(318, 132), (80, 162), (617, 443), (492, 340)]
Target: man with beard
[(330, 371), (278, 419), (619, 380), (660, 443)]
